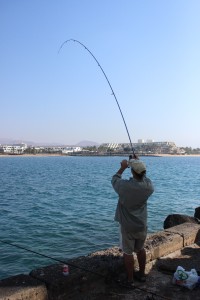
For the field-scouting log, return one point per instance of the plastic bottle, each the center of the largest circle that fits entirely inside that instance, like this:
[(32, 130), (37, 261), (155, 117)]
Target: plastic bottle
[(65, 270)]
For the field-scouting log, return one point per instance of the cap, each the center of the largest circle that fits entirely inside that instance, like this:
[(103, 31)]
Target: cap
[(137, 165)]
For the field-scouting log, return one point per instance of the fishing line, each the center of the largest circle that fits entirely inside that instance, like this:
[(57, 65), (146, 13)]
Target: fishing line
[(81, 268), (113, 93), (50, 257)]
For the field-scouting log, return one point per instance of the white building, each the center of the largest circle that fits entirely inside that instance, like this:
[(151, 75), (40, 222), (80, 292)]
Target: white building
[(71, 150), (113, 145), (150, 141), (13, 149), (140, 141)]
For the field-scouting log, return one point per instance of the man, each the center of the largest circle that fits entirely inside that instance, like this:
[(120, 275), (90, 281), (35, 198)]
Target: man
[(131, 213)]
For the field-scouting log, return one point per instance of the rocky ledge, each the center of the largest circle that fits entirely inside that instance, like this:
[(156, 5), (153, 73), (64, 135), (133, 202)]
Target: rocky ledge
[(96, 275)]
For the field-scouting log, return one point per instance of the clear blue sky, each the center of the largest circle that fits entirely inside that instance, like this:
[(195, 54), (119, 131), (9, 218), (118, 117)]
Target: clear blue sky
[(149, 50)]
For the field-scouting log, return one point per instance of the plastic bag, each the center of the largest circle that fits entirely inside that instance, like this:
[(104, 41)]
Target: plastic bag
[(184, 278)]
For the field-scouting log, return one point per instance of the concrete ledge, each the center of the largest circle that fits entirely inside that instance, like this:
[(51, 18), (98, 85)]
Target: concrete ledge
[(161, 244), (22, 287), (89, 273), (189, 231), (171, 239)]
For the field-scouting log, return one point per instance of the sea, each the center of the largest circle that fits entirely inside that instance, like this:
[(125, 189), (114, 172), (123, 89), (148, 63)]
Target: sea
[(63, 206)]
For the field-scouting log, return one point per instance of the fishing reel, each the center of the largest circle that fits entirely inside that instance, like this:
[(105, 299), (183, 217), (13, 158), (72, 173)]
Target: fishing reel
[(130, 157), (134, 156)]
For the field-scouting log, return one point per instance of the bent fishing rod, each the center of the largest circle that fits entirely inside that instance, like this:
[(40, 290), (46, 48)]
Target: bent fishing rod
[(113, 93)]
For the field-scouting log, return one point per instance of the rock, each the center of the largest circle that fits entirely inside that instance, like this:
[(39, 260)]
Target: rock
[(22, 287), (197, 213), (176, 219)]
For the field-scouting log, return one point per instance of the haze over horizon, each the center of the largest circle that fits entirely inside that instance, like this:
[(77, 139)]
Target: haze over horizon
[(149, 51), (79, 143)]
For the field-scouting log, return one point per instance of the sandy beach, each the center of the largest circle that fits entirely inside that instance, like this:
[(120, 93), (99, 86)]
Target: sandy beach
[(176, 155), (53, 155), (29, 155)]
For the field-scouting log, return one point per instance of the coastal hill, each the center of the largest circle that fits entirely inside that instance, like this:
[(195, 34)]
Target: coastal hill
[(7, 141), (87, 144), (84, 143)]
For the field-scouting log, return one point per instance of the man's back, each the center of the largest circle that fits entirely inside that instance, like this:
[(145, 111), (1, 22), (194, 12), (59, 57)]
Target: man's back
[(132, 193), (131, 211)]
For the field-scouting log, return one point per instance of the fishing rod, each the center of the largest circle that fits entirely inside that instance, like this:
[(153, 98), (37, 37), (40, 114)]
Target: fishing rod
[(113, 93), (50, 257)]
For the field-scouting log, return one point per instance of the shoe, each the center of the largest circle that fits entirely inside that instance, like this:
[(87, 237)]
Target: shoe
[(130, 285), (140, 277), (127, 284)]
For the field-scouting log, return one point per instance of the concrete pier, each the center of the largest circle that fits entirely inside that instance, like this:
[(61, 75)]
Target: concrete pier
[(95, 276)]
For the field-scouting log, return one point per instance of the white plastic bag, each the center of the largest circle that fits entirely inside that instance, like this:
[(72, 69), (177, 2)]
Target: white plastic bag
[(188, 279)]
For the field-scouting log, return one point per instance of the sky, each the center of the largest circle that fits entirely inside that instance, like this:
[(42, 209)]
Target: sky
[(149, 50)]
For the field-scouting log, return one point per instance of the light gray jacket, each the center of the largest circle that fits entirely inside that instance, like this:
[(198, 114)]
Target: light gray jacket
[(131, 211)]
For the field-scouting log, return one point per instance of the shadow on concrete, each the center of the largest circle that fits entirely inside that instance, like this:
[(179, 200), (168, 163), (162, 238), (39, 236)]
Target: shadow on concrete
[(189, 258)]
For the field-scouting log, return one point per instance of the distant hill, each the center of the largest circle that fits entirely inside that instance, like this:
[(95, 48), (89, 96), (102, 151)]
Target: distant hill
[(12, 142), (7, 141), (87, 144)]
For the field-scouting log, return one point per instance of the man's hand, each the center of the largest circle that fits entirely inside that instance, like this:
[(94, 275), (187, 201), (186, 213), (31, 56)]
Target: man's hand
[(124, 164)]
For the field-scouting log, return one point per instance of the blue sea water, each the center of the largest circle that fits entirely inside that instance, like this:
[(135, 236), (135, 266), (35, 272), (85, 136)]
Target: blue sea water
[(64, 207)]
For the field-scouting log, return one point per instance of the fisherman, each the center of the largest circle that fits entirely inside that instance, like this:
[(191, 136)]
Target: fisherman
[(131, 213)]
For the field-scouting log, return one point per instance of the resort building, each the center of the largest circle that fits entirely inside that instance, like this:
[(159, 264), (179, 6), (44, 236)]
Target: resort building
[(156, 147), (71, 150), (13, 149)]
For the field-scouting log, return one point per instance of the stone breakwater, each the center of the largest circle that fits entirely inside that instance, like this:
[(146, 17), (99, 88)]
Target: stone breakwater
[(94, 276)]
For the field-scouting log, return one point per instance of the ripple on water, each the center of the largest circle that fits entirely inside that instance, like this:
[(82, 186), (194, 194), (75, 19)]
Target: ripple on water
[(64, 206)]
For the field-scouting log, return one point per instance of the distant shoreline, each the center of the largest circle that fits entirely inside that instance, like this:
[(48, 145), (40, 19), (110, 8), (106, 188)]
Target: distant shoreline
[(62, 155)]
